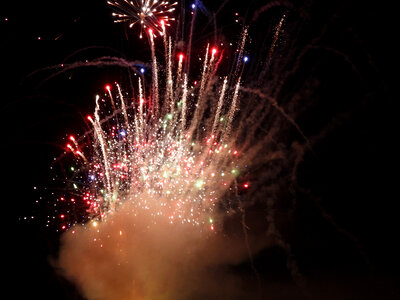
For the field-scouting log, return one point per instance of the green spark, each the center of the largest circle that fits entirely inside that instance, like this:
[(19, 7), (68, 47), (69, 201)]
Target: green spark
[(199, 183), (235, 172)]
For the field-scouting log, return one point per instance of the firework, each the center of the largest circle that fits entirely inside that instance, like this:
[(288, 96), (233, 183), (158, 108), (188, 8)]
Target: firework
[(167, 151), (149, 14), (163, 170)]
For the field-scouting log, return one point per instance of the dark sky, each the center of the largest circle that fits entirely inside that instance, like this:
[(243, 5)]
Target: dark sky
[(345, 230)]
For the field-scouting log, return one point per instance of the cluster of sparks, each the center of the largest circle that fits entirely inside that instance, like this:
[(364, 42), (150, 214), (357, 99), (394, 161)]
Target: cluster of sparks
[(147, 13), (168, 151)]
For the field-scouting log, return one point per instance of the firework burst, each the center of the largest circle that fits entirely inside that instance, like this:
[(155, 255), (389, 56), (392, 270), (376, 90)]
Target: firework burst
[(149, 14), (165, 167), (167, 151)]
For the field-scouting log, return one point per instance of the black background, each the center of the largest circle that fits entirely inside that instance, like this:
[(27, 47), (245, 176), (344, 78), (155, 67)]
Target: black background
[(350, 254)]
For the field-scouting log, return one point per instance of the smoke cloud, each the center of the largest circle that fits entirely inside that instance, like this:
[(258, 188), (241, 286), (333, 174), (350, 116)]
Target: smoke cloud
[(138, 257)]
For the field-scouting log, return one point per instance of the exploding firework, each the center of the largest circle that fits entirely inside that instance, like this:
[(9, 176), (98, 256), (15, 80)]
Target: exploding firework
[(181, 177), (164, 169), (150, 14), (170, 151)]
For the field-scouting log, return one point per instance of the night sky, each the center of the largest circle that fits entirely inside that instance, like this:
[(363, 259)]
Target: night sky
[(344, 231)]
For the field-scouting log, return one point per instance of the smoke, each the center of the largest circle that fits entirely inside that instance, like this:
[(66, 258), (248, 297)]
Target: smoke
[(137, 257)]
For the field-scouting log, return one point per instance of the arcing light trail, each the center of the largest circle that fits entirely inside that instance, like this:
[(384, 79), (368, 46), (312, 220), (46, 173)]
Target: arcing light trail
[(169, 153)]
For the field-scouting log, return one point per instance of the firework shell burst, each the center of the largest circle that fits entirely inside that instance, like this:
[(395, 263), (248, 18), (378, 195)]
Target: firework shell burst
[(147, 13), (161, 182), (170, 152)]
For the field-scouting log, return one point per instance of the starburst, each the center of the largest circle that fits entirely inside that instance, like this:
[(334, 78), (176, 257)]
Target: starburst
[(149, 14)]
